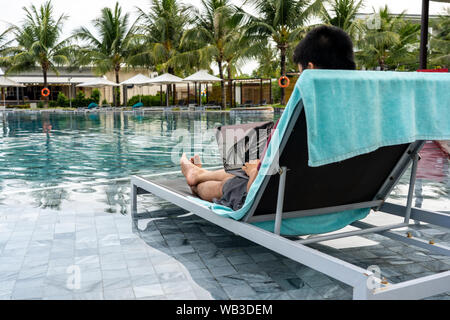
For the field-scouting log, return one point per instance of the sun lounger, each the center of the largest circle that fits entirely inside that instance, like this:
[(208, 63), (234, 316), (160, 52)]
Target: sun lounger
[(183, 105), (212, 105), (301, 200), (138, 105), (92, 105)]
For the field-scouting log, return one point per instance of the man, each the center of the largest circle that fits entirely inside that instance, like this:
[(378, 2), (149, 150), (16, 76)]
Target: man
[(324, 47)]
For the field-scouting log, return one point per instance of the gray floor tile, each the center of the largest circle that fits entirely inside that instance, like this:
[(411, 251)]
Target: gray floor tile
[(305, 293), (176, 287), (222, 271), (148, 291), (59, 297), (238, 291), (27, 293), (92, 295), (143, 280), (116, 283), (119, 294), (188, 295)]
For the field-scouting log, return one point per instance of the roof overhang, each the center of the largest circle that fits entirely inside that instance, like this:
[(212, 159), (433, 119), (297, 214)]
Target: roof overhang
[(30, 80)]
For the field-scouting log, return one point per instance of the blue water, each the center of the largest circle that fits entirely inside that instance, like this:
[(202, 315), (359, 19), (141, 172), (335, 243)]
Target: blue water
[(86, 153), (62, 160)]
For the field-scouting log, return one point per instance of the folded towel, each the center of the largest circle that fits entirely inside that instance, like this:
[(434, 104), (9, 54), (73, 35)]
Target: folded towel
[(350, 113)]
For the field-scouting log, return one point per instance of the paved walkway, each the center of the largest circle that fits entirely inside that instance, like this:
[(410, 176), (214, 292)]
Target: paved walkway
[(169, 254)]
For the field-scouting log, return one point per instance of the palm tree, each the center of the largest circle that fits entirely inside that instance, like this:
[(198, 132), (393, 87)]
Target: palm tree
[(268, 65), (116, 45), (440, 41), (162, 28), (5, 42), (385, 47), (214, 33), (344, 17), (237, 49), (404, 55), (4, 46), (38, 42), (282, 21)]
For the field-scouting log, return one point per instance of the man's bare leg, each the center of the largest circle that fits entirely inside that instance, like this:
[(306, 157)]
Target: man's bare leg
[(210, 190), (195, 175)]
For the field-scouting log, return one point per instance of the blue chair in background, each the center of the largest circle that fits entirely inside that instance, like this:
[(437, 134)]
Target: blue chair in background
[(92, 105), (138, 105)]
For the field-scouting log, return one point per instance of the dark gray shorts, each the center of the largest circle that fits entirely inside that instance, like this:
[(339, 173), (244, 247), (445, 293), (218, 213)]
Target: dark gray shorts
[(234, 193)]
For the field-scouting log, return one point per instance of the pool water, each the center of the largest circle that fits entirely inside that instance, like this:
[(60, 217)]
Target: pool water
[(49, 160), (84, 161)]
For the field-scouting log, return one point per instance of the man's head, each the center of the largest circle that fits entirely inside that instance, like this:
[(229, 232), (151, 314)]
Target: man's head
[(325, 47)]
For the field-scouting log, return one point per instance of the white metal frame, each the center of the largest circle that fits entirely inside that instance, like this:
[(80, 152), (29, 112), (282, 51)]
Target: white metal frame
[(348, 273)]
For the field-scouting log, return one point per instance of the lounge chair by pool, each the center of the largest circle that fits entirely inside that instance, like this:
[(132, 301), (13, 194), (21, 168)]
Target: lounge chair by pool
[(92, 105), (138, 105), (310, 186)]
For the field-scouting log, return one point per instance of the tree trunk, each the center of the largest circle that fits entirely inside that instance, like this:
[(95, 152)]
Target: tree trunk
[(283, 48), (173, 87), (44, 71), (230, 84), (222, 84), (382, 64), (116, 89)]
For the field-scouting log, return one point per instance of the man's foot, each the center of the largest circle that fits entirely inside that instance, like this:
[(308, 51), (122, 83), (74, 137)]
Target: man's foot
[(197, 161), (189, 170)]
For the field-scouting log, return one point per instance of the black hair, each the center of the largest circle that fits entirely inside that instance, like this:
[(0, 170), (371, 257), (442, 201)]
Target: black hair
[(327, 47)]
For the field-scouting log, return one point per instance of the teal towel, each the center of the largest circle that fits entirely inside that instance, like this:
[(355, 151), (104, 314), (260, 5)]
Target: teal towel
[(311, 84), (355, 112)]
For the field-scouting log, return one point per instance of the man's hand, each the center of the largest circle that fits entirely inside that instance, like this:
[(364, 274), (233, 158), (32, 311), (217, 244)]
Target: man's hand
[(251, 167)]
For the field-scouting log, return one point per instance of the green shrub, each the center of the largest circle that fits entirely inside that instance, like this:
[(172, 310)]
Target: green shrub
[(81, 101), (53, 104), (40, 104), (96, 96), (62, 100), (148, 101), (276, 91)]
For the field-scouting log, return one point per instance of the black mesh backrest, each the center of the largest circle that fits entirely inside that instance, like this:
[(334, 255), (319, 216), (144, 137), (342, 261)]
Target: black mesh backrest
[(351, 181)]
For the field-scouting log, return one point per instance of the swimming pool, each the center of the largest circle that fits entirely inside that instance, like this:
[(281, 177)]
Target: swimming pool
[(41, 152), (49, 159)]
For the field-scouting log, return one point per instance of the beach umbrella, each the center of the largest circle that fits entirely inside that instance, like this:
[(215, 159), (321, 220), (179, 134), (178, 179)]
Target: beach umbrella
[(6, 82), (99, 83), (139, 80), (424, 31), (200, 77), (166, 79)]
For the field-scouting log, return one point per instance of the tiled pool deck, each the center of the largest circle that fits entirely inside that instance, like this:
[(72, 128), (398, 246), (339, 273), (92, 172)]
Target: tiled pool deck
[(173, 255)]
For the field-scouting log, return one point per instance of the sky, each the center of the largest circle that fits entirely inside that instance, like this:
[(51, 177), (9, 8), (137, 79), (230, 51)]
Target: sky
[(82, 12)]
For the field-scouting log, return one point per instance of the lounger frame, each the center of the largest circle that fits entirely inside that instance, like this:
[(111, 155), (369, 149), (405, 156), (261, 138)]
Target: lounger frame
[(366, 286), (343, 271)]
